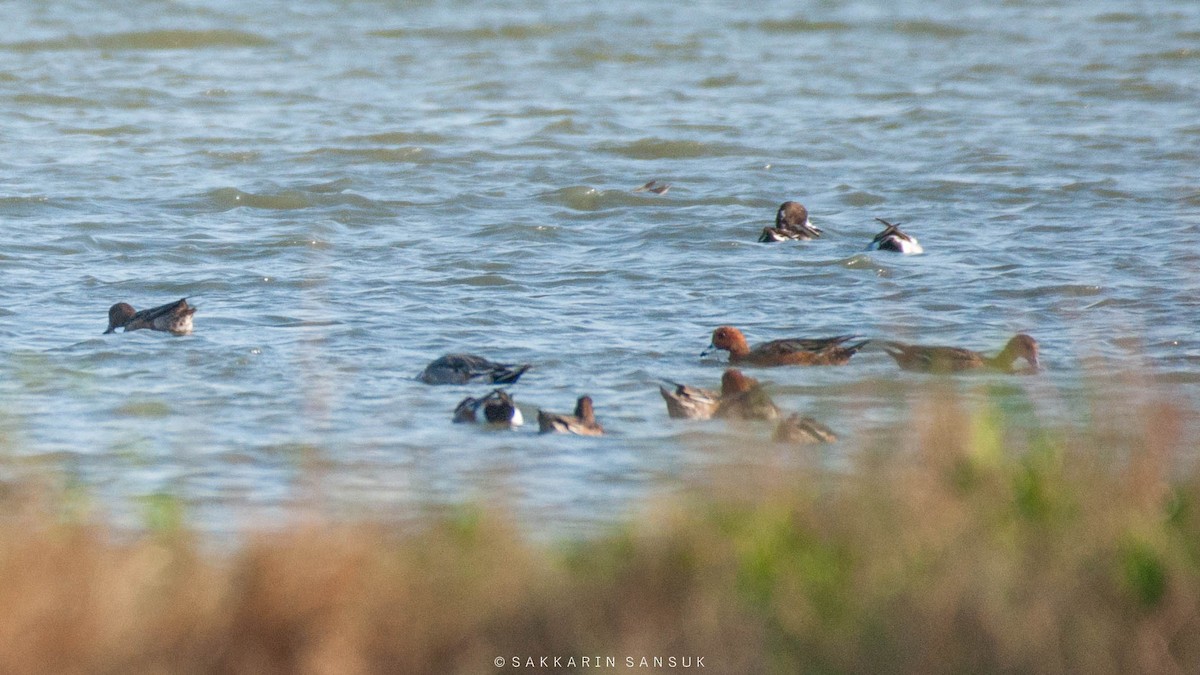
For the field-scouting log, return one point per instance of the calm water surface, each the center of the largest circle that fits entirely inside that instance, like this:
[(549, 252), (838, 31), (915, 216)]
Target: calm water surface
[(349, 189)]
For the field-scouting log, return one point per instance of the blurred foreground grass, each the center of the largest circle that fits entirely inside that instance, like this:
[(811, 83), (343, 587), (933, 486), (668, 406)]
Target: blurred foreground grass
[(972, 541)]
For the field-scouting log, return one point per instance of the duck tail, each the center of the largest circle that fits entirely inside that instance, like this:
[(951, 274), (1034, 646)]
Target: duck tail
[(510, 376), (853, 349)]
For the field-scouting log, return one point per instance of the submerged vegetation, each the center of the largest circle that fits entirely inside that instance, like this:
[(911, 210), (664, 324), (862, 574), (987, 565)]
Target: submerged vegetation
[(973, 541)]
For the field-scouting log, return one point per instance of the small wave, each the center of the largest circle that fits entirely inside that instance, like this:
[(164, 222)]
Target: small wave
[(54, 100), (862, 261), (515, 31), (225, 199), (152, 409), (1061, 290), (388, 155), (931, 29), (722, 81), (601, 53), (239, 156), (798, 25), (400, 138), (1141, 90), (120, 130), (661, 148), (484, 281), (1118, 17), (586, 198), (1181, 54), (853, 197), (146, 40)]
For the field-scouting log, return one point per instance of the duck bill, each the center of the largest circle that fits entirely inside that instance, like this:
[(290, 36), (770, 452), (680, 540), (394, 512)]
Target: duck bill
[(708, 350), (111, 329), (1034, 363)]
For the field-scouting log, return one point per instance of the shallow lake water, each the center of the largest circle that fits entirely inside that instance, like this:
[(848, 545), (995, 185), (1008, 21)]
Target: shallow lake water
[(347, 190)]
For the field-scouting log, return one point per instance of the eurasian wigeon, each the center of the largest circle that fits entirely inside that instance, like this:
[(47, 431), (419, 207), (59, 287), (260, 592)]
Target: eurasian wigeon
[(796, 428), (690, 403), (932, 359), (743, 398), (892, 239), (787, 352), (791, 222), (464, 368), (173, 317), (582, 423), (498, 409)]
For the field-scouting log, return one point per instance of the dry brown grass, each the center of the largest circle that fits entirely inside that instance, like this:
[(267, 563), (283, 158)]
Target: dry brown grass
[(966, 544)]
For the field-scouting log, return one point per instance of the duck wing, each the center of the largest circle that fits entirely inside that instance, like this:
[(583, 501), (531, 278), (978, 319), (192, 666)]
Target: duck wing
[(792, 345)]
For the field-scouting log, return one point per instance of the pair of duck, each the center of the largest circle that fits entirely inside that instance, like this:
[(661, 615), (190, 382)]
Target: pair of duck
[(792, 224), (499, 410), (498, 406), (834, 351), (742, 398)]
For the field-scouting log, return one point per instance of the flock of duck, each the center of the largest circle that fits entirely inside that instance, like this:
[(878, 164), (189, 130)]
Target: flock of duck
[(740, 396)]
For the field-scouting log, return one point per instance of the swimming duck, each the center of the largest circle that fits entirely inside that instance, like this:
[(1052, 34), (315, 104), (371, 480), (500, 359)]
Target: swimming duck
[(932, 359), (463, 368), (582, 423), (498, 409), (892, 239), (743, 398), (796, 428), (791, 222), (690, 403), (173, 317), (791, 351)]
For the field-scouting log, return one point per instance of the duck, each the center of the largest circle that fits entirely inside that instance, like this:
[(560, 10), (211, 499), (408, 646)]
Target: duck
[(801, 430), (173, 317), (829, 351), (464, 368), (690, 403), (582, 423), (498, 409), (892, 239), (936, 359), (791, 223), (743, 398)]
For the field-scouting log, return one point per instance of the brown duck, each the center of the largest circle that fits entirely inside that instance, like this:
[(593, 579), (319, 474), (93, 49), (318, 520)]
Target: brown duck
[(173, 317), (743, 398), (932, 359), (787, 352), (582, 423)]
